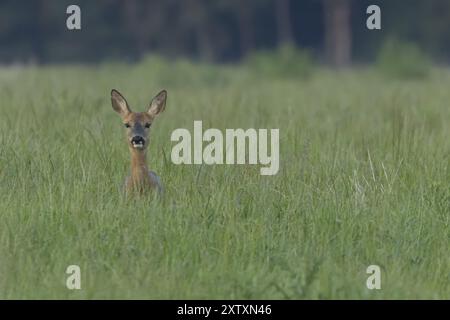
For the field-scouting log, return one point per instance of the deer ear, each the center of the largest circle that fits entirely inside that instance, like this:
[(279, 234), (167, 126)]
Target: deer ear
[(119, 103), (158, 104)]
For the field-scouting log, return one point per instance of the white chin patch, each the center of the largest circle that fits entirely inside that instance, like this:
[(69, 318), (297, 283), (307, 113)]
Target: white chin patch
[(139, 145)]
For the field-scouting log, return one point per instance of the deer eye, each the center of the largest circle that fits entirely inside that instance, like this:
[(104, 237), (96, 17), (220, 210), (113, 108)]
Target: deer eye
[(127, 125), (147, 125)]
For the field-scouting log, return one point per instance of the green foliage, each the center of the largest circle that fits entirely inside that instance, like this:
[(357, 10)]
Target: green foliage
[(364, 176), (402, 60), (181, 72), (284, 62), (35, 30)]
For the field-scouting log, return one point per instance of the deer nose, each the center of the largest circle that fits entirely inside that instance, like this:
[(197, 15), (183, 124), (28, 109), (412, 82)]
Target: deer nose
[(137, 140)]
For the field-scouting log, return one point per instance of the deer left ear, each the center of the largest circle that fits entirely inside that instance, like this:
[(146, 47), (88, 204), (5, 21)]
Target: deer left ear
[(119, 103), (158, 104)]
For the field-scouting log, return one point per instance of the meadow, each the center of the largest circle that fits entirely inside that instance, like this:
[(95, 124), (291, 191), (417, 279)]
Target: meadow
[(364, 179)]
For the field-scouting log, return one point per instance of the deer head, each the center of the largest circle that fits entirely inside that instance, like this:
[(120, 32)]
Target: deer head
[(137, 124)]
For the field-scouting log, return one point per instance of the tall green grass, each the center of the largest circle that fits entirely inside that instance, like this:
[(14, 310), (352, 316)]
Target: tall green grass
[(364, 179)]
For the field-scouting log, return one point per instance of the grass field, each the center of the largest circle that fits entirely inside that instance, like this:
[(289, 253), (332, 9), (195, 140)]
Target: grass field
[(364, 179)]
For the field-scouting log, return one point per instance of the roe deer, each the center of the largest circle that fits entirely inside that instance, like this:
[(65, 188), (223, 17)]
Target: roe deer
[(137, 126)]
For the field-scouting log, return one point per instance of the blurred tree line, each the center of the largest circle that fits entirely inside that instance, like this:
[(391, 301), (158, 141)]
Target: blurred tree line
[(217, 30)]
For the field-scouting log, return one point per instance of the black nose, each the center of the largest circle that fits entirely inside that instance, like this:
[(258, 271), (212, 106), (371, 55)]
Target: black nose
[(137, 140)]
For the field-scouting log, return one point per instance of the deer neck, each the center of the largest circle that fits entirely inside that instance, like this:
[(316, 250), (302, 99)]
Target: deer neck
[(139, 169)]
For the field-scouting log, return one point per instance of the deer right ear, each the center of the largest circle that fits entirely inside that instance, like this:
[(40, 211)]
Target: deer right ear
[(119, 103), (158, 104)]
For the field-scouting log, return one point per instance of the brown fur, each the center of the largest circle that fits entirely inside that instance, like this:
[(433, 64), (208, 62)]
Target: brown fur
[(138, 124)]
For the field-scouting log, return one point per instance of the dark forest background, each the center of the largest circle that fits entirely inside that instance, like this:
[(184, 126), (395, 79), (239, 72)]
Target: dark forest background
[(334, 31)]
